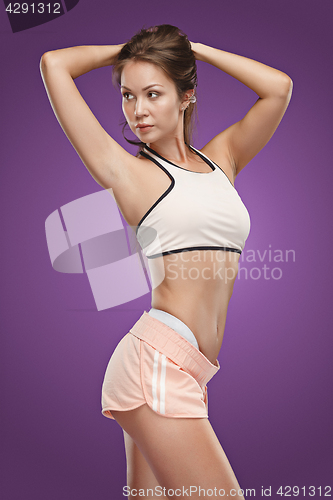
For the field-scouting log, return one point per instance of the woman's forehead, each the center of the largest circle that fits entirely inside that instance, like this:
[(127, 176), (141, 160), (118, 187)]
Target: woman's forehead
[(142, 74)]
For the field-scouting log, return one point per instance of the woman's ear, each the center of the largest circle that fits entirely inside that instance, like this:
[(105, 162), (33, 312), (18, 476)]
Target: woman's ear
[(189, 97)]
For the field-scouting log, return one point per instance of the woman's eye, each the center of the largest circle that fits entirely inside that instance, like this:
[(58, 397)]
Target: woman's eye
[(127, 96), (153, 94)]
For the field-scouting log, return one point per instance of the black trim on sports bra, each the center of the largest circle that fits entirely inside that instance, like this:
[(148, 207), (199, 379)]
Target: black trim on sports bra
[(174, 164), (163, 195), (209, 162), (190, 249), (212, 162)]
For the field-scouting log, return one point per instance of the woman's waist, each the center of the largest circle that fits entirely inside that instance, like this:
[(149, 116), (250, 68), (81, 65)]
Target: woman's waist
[(203, 287), (204, 318), (176, 324)]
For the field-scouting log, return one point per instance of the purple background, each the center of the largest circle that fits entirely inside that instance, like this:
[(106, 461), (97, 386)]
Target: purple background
[(271, 403)]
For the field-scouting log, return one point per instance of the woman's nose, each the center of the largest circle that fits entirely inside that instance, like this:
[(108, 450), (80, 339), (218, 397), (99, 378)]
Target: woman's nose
[(140, 108)]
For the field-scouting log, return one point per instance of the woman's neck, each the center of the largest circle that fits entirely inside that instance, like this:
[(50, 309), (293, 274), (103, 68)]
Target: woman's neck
[(173, 149)]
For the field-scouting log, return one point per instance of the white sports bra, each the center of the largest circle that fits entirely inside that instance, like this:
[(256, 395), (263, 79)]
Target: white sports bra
[(198, 211)]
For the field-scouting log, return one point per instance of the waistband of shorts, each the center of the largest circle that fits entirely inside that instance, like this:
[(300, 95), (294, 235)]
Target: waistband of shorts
[(167, 341)]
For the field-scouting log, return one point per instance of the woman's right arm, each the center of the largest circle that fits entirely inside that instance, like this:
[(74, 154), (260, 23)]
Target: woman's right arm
[(103, 157)]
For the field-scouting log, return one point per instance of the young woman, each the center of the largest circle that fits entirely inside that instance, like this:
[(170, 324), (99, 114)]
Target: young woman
[(191, 224)]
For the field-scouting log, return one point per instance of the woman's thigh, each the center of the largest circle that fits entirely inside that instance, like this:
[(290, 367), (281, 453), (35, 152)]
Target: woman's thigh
[(139, 474), (183, 454)]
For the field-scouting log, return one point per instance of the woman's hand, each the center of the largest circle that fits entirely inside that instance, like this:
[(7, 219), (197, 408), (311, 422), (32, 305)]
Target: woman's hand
[(119, 47), (195, 50)]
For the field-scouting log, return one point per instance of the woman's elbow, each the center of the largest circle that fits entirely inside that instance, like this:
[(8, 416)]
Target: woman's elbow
[(43, 61), (286, 86), (47, 59)]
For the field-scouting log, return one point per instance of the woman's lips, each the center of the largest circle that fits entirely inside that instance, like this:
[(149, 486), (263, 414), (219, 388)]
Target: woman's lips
[(144, 127)]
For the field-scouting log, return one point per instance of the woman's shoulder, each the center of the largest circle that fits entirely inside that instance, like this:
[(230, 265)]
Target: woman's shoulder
[(219, 153)]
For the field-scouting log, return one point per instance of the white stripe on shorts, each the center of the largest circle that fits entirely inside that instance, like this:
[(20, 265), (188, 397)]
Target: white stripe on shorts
[(154, 381), (162, 385)]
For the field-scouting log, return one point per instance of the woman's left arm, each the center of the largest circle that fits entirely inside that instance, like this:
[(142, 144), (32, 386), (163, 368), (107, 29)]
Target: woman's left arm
[(244, 139)]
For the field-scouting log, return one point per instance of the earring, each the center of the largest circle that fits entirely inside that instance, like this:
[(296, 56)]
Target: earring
[(193, 99)]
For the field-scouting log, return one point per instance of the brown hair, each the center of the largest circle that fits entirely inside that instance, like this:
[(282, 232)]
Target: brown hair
[(168, 48)]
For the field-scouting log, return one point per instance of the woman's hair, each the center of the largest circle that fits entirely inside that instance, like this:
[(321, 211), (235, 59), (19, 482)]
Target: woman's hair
[(169, 49)]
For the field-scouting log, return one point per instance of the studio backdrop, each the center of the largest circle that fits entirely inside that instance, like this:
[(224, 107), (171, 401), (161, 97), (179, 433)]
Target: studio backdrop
[(73, 282)]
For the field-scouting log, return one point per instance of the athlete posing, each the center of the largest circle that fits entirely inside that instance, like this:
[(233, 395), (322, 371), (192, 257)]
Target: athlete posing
[(190, 222)]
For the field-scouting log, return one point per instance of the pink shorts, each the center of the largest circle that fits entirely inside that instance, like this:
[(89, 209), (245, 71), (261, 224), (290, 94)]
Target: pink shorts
[(153, 364)]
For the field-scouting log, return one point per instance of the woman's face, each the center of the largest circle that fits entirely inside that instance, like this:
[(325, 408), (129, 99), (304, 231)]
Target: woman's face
[(150, 102)]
